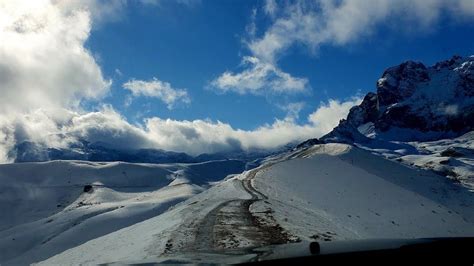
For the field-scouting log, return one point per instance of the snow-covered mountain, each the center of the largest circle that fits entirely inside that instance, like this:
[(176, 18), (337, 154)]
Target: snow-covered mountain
[(414, 102), (422, 116), (381, 173), (325, 192)]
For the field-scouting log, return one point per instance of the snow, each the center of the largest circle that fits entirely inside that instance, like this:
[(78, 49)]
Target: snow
[(325, 192), (47, 212), (432, 155), (148, 239), (356, 194), (367, 130)]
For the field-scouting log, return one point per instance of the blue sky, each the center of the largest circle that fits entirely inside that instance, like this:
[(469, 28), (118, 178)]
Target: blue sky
[(205, 76), (190, 45)]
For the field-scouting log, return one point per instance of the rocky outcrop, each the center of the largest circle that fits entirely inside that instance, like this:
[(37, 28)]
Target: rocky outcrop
[(438, 99)]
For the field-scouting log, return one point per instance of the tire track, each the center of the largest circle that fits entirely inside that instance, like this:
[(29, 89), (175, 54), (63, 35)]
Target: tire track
[(231, 225)]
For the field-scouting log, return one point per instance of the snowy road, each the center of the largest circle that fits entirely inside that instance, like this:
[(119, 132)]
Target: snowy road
[(231, 225)]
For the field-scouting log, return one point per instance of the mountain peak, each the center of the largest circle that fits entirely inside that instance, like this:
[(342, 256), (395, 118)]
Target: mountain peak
[(435, 101)]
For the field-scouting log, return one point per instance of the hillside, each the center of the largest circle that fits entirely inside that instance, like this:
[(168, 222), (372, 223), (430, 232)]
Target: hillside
[(325, 192), (53, 206)]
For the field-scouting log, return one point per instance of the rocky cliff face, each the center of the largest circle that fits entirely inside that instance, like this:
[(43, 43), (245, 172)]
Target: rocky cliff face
[(428, 102)]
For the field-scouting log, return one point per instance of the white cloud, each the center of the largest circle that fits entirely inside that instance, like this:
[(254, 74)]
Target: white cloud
[(43, 61), (251, 27), (258, 78), (270, 8), (99, 11), (118, 72), (46, 72), (464, 8), (61, 128), (45, 66), (188, 3), (150, 2), (331, 22), (157, 89), (314, 23), (292, 109), (7, 139), (327, 116)]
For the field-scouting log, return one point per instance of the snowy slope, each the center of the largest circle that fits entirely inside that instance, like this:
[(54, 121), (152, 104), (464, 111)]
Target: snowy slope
[(46, 211), (453, 158), (420, 116), (360, 195), (449, 157), (322, 192)]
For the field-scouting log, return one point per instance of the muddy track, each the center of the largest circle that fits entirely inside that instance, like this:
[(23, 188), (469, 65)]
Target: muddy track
[(231, 225), (247, 184)]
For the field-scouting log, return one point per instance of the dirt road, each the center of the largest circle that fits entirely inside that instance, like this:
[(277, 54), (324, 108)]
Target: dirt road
[(231, 225)]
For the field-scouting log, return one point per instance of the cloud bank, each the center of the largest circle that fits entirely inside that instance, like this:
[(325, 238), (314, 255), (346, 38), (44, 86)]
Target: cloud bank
[(62, 128)]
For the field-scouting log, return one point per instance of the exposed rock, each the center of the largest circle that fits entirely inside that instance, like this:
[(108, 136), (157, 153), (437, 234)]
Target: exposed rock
[(399, 83), (308, 143), (88, 189), (457, 152), (438, 100)]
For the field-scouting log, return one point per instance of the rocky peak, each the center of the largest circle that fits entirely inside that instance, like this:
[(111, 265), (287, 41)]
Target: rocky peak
[(399, 82), (436, 100), (450, 63)]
